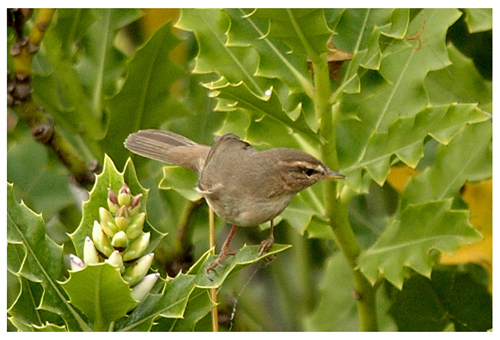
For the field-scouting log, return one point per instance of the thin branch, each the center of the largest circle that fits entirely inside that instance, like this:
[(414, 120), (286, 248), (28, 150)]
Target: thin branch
[(213, 291), (19, 97)]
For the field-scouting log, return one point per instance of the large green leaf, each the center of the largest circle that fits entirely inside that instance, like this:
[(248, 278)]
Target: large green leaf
[(362, 32), (111, 178), (244, 257), (42, 261), (102, 65), (354, 28), (274, 60), (100, 292), (234, 63), (292, 78), (479, 19), (405, 138), (145, 100), (396, 91), (304, 30), (199, 305), (409, 240), (233, 44), (468, 157), (45, 189), (239, 96), (169, 303), (459, 82)]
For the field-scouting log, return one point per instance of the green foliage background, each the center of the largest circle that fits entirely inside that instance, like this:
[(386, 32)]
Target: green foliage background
[(424, 103)]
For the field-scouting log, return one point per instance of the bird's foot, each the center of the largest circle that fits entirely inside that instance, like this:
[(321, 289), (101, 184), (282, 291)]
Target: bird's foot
[(218, 261), (266, 244)]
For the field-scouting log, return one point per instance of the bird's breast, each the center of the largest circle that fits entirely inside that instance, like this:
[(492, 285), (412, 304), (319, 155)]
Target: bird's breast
[(249, 211)]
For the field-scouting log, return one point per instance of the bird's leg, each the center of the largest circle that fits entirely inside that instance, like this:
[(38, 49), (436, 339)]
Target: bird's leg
[(268, 242), (224, 252)]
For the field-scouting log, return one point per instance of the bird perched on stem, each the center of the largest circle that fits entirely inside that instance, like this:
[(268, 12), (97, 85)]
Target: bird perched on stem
[(244, 186)]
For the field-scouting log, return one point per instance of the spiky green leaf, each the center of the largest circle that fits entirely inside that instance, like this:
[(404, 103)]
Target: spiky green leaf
[(468, 157), (405, 138), (304, 30), (408, 241), (460, 82), (72, 80), (39, 259), (182, 180), (144, 99), (100, 292), (244, 257), (234, 63), (479, 19), (393, 95), (169, 303)]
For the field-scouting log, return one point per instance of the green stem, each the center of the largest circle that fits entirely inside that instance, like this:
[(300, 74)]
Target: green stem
[(337, 206)]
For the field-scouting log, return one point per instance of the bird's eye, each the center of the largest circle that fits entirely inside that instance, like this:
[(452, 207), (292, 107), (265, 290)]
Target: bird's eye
[(309, 172)]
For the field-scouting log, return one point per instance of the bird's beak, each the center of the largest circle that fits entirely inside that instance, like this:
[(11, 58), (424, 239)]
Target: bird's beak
[(335, 175)]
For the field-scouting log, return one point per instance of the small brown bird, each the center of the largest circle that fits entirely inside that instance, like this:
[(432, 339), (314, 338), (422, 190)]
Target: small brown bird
[(244, 186)]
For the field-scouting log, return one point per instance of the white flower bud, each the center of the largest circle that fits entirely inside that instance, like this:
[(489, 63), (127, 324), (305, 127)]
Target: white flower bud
[(76, 263), (138, 269), (90, 255), (141, 290), (116, 260)]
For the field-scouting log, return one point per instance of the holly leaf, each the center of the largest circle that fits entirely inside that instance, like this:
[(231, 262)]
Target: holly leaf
[(303, 30), (409, 240), (199, 305), (23, 312), (468, 157), (405, 138), (182, 180), (169, 303), (100, 292), (144, 100), (444, 87), (39, 259), (244, 257), (479, 19), (234, 63), (393, 93)]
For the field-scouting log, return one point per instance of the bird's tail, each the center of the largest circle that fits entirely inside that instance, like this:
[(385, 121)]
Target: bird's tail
[(169, 147)]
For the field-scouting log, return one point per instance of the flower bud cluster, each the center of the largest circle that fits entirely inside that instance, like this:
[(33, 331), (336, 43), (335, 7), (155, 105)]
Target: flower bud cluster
[(118, 239)]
